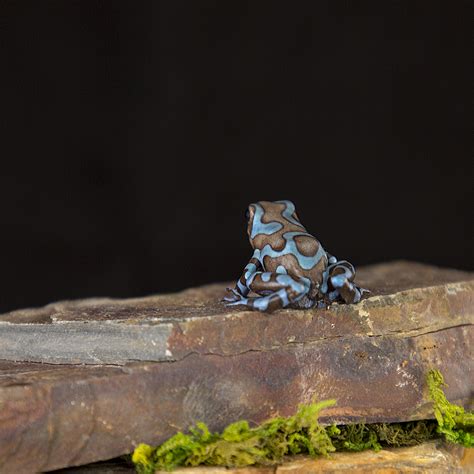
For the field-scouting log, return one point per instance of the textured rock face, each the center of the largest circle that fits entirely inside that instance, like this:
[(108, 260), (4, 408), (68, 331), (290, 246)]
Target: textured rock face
[(427, 458), (87, 380), (408, 299)]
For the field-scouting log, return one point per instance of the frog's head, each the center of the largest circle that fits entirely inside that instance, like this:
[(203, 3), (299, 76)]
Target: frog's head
[(265, 218)]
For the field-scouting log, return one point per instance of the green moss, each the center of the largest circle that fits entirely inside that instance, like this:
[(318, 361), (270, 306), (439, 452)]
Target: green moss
[(454, 423), (242, 445), (361, 436), (408, 433), (239, 444)]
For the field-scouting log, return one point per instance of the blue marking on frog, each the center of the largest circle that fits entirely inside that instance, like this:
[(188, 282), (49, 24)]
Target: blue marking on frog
[(250, 269), (260, 227), (242, 288), (304, 261), (287, 280), (288, 211), (266, 276), (338, 280), (284, 297), (261, 303)]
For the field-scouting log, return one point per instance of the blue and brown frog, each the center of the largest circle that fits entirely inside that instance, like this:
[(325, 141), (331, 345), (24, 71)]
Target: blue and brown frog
[(289, 267)]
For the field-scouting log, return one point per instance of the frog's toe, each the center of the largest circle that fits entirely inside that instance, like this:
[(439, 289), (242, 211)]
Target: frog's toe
[(364, 292), (241, 301), (230, 299), (234, 297), (233, 303)]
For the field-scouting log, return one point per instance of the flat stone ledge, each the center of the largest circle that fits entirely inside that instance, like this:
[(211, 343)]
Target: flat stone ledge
[(408, 299), (88, 380)]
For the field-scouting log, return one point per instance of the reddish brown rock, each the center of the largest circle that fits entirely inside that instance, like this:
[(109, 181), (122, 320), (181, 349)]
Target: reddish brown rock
[(423, 459), (426, 458), (88, 380)]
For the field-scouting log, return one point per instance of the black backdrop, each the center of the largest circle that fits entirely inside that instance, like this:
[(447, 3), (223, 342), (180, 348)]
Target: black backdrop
[(134, 134)]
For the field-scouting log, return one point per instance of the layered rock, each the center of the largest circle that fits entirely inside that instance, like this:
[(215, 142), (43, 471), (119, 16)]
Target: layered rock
[(87, 380)]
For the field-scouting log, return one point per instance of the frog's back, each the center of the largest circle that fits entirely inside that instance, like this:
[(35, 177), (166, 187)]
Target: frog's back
[(309, 260), (285, 245)]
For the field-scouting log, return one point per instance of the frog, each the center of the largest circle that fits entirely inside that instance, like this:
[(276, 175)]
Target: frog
[(289, 267)]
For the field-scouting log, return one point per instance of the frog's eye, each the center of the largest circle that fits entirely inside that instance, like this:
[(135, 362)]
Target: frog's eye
[(247, 215)]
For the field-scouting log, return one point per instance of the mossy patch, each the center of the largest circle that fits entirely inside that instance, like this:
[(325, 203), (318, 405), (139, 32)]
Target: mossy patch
[(454, 423), (242, 445)]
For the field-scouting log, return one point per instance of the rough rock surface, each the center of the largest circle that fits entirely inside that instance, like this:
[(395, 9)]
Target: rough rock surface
[(426, 458), (87, 380)]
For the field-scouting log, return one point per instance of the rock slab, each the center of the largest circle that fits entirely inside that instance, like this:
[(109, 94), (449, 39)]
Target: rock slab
[(426, 458), (87, 380)]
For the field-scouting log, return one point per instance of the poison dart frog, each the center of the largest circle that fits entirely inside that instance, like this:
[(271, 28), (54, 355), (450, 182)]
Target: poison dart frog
[(289, 267)]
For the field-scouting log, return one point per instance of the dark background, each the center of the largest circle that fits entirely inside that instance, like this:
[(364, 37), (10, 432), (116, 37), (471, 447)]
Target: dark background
[(134, 134)]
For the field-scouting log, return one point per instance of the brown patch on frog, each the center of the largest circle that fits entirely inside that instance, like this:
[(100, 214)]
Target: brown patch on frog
[(273, 213), (316, 273), (276, 241), (306, 245), (288, 261)]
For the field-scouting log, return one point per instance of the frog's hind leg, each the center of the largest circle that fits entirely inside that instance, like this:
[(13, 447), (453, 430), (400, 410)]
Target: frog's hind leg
[(338, 282), (277, 290)]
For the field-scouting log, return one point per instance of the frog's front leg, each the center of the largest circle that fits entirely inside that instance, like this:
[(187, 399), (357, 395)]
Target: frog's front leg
[(241, 288), (277, 290)]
